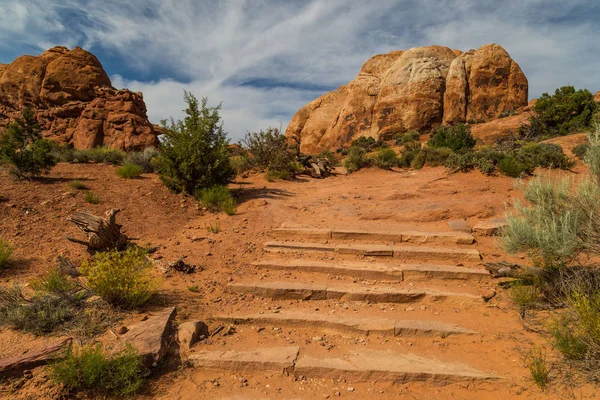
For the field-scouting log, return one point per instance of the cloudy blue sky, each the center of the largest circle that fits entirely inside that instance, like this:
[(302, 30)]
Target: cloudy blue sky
[(264, 59)]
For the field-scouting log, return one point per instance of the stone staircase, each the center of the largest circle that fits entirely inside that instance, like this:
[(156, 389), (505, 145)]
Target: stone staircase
[(346, 283)]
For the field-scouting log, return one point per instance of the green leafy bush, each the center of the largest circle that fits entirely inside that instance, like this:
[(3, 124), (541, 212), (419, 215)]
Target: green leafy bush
[(385, 158), (356, 159), (24, 150), (91, 198), (130, 171), (240, 164), (89, 368), (430, 156), (77, 185), (6, 251), (146, 159), (536, 362), (217, 198), (514, 168), (270, 150), (409, 137), (580, 150), (457, 137), (367, 143), (329, 156), (543, 155), (408, 154), (121, 278), (566, 111), (193, 154)]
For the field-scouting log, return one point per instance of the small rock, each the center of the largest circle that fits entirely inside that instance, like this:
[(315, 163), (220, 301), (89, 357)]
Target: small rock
[(189, 333), (123, 330)]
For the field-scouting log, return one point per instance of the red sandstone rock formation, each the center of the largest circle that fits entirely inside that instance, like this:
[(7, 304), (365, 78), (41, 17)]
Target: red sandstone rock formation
[(74, 101), (413, 89)]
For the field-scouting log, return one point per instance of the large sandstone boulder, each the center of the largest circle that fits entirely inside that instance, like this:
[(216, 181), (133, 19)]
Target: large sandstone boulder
[(597, 96), (414, 89), (74, 100)]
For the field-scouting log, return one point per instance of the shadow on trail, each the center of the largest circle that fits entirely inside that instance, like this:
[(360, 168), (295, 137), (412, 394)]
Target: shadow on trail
[(243, 195)]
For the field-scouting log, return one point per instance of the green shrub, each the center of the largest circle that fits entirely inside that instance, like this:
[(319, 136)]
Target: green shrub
[(461, 162), (329, 156), (567, 340), (408, 154), (385, 158), (39, 315), (367, 143), (524, 295), (270, 150), (431, 156), (6, 251), (194, 154), (592, 155), (121, 278), (566, 111), (217, 198), (536, 362), (272, 176), (409, 137), (91, 198), (356, 159), (89, 368), (106, 155), (130, 171), (24, 150), (55, 282), (146, 159), (580, 150), (240, 164), (512, 167), (77, 185), (486, 166), (457, 137), (544, 155)]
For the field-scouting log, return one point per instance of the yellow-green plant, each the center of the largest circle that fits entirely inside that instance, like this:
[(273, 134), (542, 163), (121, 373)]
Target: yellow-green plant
[(6, 251), (121, 278)]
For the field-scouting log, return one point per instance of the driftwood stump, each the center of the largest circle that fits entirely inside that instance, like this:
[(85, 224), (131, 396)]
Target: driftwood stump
[(102, 233)]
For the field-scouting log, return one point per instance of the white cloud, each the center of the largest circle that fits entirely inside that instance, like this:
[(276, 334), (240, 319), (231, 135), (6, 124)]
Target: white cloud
[(212, 47)]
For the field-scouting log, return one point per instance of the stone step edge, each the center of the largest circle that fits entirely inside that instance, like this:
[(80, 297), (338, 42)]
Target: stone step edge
[(364, 366), (366, 326), (299, 291), (404, 236), (378, 270), (377, 250)]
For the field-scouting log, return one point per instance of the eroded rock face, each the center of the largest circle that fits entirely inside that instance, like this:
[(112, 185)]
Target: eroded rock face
[(74, 100), (413, 89)]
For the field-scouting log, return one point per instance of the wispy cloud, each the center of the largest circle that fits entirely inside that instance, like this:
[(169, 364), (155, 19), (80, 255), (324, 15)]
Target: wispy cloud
[(264, 59)]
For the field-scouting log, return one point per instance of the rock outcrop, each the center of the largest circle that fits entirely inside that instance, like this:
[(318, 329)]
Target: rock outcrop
[(74, 101), (413, 89), (597, 96)]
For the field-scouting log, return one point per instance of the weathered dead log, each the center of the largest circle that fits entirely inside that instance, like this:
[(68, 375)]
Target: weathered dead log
[(102, 233), (504, 269)]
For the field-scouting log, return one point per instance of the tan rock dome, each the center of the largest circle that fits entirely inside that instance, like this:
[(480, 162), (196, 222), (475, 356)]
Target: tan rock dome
[(413, 89)]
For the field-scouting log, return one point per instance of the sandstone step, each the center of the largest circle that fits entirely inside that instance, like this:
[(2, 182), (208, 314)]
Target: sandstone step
[(237, 362), (322, 322), (401, 251), (412, 236), (379, 271), (311, 291), (373, 365)]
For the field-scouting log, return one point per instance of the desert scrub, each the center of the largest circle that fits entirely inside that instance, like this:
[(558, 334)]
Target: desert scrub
[(544, 155), (430, 156), (271, 151), (580, 150), (356, 159), (535, 360), (513, 168), (217, 198), (42, 314), (121, 278), (409, 137), (146, 159), (194, 154), (77, 185), (90, 368), (23, 149), (385, 158), (6, 251), (524, 295), (91, 198), (130, 171), (240, 164), (457, 137)]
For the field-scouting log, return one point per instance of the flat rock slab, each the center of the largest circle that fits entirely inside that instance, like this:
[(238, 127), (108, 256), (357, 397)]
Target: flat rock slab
[(490, 227), (14, 366), (152, 337), (383, 236), (304, 233), (416, 272), (364, 249), (308, 291), (298, 246), (236, 362), (350, 325), (437, 237), (435, 253), (459, 225), (369, 366)]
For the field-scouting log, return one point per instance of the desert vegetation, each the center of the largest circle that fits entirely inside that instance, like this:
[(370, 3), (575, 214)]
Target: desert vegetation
[(559, 229)]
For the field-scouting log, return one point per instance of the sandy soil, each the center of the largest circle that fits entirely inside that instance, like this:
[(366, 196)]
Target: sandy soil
[(33, 218)]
